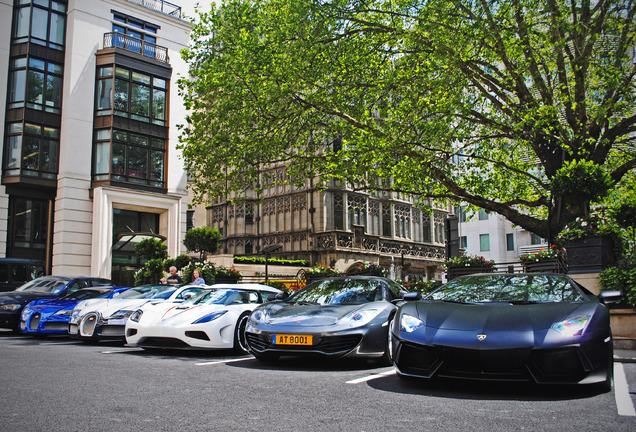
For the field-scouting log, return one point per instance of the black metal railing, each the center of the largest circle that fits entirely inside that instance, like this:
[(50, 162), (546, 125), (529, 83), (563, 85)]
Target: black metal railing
[(139, 46), (160, 6)]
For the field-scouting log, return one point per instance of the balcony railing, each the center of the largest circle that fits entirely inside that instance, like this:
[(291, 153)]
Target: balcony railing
[(160, 6), (139, 46)]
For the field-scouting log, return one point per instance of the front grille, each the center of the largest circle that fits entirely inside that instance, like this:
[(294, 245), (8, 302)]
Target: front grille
[(163, 342), (414, 360), (322, 344), (35, 321), (87, 325), (563, 364), (509, 365), (113, 330), (197, 335), (56, 326)]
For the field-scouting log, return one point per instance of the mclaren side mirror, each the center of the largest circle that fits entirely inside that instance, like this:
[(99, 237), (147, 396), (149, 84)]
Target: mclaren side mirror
[(607, 297), (413, 296)]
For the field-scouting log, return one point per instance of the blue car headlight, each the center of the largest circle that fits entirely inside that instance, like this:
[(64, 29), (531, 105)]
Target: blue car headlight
[(136, 315), (359, 317), (209, 317), (409, 323), (572, 326), (64, 312)]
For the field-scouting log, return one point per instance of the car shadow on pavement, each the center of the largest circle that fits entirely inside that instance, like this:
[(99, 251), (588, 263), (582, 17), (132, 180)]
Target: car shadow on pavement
[(310, 364), (483, 390)]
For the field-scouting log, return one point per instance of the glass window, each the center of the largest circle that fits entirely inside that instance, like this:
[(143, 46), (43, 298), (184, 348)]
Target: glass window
[(42, 22), (32, 150), (36, 86), (483, 215), (463, 242), (28, 222), (510, 242), (484, 242)]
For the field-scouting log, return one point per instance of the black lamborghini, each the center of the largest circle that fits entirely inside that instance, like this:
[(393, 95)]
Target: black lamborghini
[(533, 327)]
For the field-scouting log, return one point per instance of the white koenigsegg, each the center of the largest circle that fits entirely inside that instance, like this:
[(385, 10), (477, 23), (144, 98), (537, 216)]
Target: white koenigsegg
[(106, 318), (213, 319)]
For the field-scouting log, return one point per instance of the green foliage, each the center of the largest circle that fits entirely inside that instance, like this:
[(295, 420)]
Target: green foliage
[(468, 261), (227, 272), (621, 278), (151, 248), (207, 271), (322, 270), (423, 287), (202, 240), (364, 92), (276, 261), (150, 273), (581, 181), (368, 268), (542, 255)]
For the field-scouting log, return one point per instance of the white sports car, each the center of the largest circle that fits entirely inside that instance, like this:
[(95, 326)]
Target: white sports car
[(214, 319), (106, 318)]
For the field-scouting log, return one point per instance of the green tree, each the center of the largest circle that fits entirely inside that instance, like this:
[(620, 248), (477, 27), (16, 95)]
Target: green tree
[(202, 240), (481, 101), (151, 248)]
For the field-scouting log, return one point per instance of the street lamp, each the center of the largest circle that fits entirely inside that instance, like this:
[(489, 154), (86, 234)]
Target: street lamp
[(267, 250)]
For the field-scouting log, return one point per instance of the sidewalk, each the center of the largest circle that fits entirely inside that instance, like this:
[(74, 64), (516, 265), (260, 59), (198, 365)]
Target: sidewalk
[(625, 356)]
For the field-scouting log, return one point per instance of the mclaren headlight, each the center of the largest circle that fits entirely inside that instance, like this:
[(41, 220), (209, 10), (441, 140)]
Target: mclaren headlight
[(260, 316), (360, 317), (409, 323), (136, 315), (572, 326), (209, 317)]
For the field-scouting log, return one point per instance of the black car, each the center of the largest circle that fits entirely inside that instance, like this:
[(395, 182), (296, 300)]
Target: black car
[(532, 327), (335, 317), (45, 287)]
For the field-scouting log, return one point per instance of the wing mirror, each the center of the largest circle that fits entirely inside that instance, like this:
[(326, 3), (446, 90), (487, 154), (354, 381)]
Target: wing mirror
[(413, 296), (187, 296), (280, 296), (607, 297)]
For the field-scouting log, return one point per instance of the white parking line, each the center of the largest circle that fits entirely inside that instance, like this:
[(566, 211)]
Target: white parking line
[(223, 361), (624, 402), (372, 377)]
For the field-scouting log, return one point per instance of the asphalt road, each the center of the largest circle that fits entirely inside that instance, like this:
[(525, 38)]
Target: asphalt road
[(57, 384)]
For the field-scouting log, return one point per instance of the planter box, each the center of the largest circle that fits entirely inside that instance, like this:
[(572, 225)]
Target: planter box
[(226, 279), (454, 272), (553, 266), (590, 255)]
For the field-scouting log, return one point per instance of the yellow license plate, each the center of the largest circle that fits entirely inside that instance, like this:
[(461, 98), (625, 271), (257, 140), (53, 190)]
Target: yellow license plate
[(292, 339)]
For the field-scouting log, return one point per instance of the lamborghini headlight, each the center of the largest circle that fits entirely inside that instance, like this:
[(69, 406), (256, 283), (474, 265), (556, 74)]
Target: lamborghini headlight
[(209, 317), (573, 326), (360, 317), (409, 323)]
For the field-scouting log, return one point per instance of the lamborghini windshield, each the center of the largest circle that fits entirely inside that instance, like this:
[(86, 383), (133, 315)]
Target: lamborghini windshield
[(340, 291), (509, 288)]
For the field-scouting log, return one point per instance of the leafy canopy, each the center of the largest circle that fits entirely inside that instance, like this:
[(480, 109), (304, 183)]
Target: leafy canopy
[(478, 101)]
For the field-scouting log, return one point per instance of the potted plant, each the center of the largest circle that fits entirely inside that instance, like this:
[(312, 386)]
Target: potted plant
[(466, 264), (545, 260), (589, 242), (226, 275), (319, 271), (369, 268)]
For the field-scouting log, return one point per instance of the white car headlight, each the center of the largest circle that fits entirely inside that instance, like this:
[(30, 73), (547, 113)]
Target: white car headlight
[(409, 323), (121, 314), (10, 307), (75, 315), (573, 326), (360, 317), (64, 312), (136, 315)]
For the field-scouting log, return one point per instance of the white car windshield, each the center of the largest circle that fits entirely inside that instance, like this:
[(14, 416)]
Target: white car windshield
[(222, 296), (148, 292)]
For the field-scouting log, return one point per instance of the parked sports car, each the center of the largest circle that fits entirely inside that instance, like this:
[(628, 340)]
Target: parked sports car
[(106, 318), (45, 287), (336, 317), (214, 319), (541, 328), (47, 317)]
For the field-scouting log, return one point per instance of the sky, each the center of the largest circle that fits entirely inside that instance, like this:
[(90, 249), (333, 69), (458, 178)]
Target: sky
[(187, 6)]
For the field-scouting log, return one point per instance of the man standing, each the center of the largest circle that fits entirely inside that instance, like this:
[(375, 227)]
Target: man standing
[(173, 279)]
